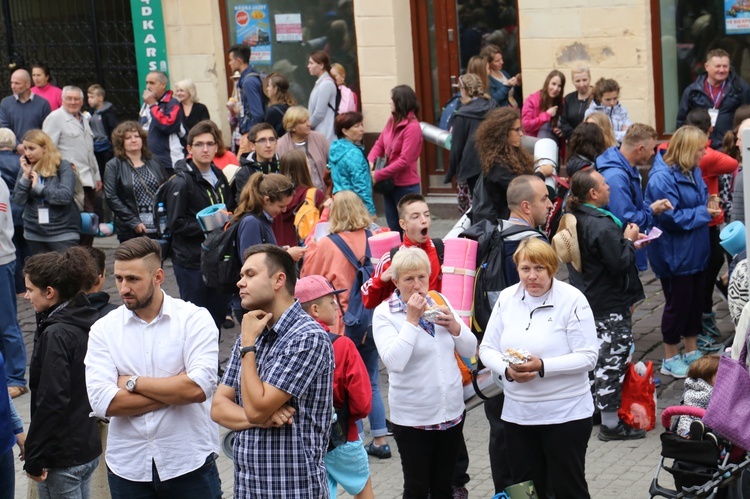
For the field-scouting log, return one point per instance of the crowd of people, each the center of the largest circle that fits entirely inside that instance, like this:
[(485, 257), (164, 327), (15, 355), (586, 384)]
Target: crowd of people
[(302, 192)]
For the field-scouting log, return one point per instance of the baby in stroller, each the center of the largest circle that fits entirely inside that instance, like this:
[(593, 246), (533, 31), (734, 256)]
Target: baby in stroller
[(698, 387)]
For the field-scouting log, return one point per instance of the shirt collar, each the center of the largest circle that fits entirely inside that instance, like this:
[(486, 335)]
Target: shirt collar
[(31, 97), (521, 293), (166, 310), (284, 323)]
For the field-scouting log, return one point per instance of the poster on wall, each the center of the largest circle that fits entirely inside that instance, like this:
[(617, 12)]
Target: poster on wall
[(254, 29), (288, 27), (737, 16)]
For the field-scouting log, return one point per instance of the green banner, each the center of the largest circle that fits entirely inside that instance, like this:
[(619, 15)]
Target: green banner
[(150, 39)]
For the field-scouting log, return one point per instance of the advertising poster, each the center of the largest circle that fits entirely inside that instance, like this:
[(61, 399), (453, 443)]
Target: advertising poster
[(737, 16), (288, 27), (254, 29)]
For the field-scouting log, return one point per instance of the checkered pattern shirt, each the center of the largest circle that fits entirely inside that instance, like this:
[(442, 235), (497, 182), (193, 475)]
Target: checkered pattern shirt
[(295, 356)]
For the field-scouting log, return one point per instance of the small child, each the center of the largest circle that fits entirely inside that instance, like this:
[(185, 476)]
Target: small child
[(347, 464), (607, 100), (103, 122), (698, 387)]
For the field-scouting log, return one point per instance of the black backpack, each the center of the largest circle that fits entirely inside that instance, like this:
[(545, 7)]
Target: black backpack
[(357, 318), (340, 427), (490, 279), (439, 248), (221, 261), (164, 235), (337, 102)]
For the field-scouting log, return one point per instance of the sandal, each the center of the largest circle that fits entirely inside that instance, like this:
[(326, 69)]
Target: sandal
[(17, 391)]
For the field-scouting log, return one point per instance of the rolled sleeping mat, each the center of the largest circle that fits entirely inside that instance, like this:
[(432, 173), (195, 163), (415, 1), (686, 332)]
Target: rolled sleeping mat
[(381, 243), (459, 272), (89, 223), (213, 217), (733, 238)]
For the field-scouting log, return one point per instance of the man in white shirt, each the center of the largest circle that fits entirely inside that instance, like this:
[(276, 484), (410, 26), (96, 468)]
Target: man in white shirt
[(151, 369), (69, 129)]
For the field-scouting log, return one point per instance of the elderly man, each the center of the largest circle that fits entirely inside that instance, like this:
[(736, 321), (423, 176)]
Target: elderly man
[(161, 115), (720, 90), (69, 129), (23, 110)]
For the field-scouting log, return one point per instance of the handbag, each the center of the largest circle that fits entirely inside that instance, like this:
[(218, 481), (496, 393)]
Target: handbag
[(384, 186), (728, 412)]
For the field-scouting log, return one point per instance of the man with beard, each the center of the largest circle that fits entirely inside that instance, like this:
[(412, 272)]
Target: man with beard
[(151, 369), (277, 391)]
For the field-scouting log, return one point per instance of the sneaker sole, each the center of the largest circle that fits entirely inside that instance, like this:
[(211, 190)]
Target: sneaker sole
[(670, 373), (605, 438)]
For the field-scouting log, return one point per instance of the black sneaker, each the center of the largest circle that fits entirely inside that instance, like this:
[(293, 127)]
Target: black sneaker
[(620, 432), (388, 428), (697, 430), (379, 451)]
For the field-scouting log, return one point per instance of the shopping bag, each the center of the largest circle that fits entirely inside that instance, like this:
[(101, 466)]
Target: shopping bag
[(638, 407), (728, 412)]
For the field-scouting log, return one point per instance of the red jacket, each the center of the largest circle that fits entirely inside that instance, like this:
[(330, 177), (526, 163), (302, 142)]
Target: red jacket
[(402, 145), (713, 164), (375, 290), (350, 376)]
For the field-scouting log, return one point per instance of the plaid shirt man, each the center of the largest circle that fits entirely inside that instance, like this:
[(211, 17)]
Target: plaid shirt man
[(295, 356)]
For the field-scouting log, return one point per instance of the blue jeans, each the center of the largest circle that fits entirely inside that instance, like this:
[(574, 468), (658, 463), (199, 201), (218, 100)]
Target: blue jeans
[(390, 202), (203, 483), (68, 483), (193, 289), (11, 338), (7, 475), (377, 414)]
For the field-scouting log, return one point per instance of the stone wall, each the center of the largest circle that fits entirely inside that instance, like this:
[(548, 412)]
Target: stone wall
[(613, 38)]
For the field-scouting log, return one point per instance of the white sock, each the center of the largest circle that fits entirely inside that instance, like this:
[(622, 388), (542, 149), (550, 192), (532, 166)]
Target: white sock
[(610, 419)]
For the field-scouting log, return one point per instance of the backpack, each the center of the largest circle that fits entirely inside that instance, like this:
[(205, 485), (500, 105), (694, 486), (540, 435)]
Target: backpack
[(221, 261), (439, 248), (306, 215), (340, 424), (161, 197), (446, 116), (357, 318), (490, 279), (337, 102)]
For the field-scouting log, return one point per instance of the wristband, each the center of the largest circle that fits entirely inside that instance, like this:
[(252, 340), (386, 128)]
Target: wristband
[(508, 378), (244, 350), (541, 369)]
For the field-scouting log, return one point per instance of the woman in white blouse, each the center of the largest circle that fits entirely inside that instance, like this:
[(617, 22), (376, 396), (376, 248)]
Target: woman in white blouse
[(548, 402), (425, 390)]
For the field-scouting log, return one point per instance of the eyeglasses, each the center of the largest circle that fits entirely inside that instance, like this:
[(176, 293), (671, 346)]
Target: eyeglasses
[(269, 141), (518, 130), (203, 145)]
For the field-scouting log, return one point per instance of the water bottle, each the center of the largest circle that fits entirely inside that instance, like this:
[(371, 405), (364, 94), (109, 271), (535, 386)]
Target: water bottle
[(161, 217)]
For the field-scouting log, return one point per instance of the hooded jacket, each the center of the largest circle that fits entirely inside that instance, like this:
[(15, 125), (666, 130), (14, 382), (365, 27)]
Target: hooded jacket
[(164, 122), (401, 144), (464, 159), (350, 171), (684, 247), (187, 194), (617, 114), (61, 434), (609, 277), (103, 122), (736, 93), (625, 193), (577, 163)]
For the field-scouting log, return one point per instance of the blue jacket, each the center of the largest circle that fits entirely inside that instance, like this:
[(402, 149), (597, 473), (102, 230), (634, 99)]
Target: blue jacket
[(251, 94), (683, 248), (625, 194), (350, 171)]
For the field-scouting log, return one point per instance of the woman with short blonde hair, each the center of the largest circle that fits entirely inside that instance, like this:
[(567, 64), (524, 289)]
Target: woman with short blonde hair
[(300, 135), (577, 102), (192, 109)]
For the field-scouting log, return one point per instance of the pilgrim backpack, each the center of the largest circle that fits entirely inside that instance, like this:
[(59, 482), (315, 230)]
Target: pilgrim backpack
[(221, 261), (357, 318)]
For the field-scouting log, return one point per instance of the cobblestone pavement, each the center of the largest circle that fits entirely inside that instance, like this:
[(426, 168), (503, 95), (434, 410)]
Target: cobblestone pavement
[(613, 469)]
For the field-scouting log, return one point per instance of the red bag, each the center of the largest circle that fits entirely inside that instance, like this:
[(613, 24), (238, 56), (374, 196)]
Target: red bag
[(638, 407)]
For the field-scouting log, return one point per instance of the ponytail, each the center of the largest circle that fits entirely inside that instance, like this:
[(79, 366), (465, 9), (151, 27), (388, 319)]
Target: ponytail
[(580, 184), (252, 198)]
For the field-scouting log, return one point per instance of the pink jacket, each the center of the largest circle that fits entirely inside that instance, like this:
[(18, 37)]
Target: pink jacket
[(532, 116), (402, 145)]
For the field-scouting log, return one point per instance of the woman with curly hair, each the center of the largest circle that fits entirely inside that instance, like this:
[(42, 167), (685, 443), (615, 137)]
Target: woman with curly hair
[(498, 143)]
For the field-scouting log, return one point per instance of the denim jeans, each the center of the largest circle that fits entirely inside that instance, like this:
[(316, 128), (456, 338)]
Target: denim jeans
[(11, 338), (193, 289), (7, 475), (390, 203), (377, 414), (203, 483), (68, 483)]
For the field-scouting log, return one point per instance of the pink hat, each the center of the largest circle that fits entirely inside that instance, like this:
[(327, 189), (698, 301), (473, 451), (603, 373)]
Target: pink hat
[(313, 287)]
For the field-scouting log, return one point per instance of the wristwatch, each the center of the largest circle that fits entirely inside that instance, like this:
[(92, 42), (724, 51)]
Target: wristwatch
[(130, 384), (244, 350)]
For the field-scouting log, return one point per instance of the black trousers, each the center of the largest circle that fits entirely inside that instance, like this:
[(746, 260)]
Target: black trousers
[(499, 464), (715, 262), (553, 456), (428, 459)]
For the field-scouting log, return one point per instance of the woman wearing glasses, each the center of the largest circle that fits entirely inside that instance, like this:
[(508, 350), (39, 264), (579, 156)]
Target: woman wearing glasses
[(300, 135), (131, 180)]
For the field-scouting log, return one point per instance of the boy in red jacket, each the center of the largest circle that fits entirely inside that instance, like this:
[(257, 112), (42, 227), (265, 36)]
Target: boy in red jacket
[(346, 464)]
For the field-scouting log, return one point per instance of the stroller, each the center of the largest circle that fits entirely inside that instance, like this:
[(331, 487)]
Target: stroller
[(707, 468)]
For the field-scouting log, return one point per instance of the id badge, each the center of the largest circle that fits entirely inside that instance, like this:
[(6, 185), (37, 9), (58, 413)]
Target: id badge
[(43, 216), (714, 114)]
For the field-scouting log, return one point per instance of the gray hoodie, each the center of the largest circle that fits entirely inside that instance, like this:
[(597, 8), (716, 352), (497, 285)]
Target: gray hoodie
[(7, 250)]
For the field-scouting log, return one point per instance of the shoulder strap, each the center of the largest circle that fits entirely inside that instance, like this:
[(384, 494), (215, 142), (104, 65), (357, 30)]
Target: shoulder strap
[(333, 337), (345, 249), (440, 248), (310, 196), (515, 229)]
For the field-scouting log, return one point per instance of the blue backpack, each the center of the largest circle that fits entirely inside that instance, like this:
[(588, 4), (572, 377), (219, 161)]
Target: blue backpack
[(446, 117), (357, 318)]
